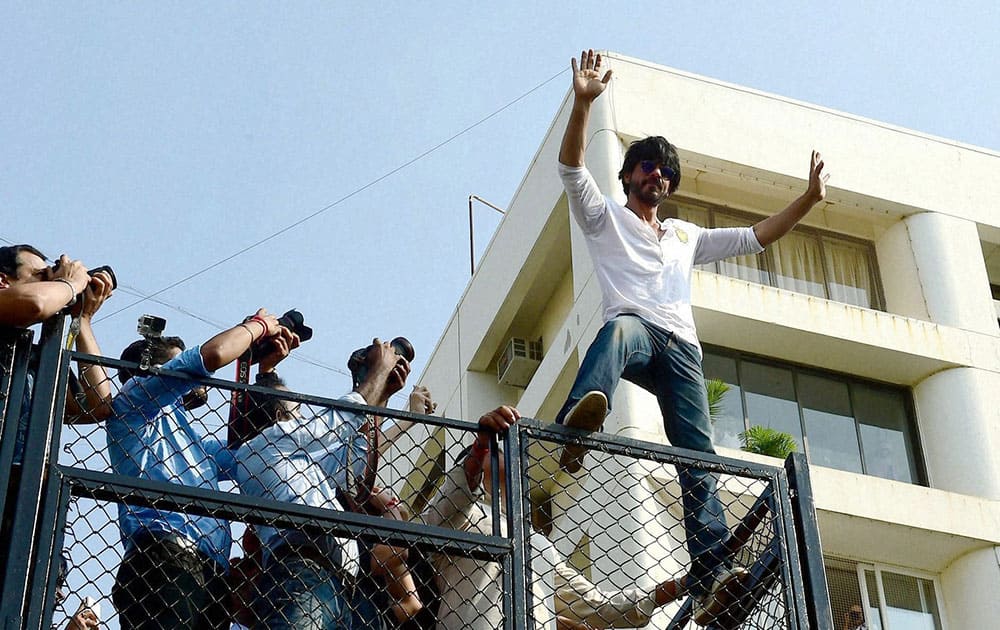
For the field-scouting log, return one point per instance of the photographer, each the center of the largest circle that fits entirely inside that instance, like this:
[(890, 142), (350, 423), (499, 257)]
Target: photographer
[(308, 581), (173, 572), (31, 292)]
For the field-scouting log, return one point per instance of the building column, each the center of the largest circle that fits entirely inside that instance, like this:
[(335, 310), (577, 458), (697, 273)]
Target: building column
[(959, 412), (951, 272), (970, 585)]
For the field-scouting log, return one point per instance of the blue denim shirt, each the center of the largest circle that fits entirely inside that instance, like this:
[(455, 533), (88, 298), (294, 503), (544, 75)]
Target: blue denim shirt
[(304, 461), (150, 437)]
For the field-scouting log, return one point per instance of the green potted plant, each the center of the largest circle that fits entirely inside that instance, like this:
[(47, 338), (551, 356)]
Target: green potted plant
[(767, 441)]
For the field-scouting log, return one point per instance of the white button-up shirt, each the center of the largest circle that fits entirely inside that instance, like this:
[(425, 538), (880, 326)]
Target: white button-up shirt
[(304, 461), (640, 271)]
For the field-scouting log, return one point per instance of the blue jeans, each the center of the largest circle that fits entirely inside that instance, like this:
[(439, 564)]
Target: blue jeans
[(302, 593), (629, 347), (162, 586)]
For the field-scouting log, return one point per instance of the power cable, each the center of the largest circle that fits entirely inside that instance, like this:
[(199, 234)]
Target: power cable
[(340, 200), (297, 355)]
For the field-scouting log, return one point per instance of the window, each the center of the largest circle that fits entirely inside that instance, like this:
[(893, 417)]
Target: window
[(838, 421), (881, 598), (807, 260)]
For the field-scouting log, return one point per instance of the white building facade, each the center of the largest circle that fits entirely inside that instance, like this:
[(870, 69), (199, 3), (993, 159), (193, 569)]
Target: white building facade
[(870, 333)]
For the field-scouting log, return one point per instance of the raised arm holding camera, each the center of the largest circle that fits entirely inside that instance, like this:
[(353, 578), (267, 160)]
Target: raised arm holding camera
[(318, 461), (173, 572), (30, 292)]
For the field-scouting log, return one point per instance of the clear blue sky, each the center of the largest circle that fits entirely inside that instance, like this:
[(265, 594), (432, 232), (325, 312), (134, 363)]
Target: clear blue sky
[(163, 137)]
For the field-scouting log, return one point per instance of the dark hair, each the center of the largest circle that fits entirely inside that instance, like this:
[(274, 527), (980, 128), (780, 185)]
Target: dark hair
[(263, 410), (8, 257), (159, 353), (655, 148)]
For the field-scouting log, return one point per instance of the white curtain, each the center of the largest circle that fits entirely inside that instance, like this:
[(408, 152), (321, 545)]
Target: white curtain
[(850, 273), (742, 267), (797, 264)]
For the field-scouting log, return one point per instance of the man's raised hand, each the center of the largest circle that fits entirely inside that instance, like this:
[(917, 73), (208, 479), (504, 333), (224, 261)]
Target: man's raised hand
[(587, 81), (817, 179)]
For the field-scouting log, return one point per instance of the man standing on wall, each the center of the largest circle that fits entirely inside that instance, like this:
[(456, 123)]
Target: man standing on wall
[(644, 268)]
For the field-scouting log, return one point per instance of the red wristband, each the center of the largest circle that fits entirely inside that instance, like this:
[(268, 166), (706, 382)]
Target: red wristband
[(478, 450), (263, 324)]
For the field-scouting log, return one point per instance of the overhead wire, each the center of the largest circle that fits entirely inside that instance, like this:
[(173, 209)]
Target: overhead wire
[(143, 297), (341, 200), (297, 355)]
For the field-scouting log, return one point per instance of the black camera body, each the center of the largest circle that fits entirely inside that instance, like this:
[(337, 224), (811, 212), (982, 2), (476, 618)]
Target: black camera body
[(358, 365), (93, 272), (293, 321)]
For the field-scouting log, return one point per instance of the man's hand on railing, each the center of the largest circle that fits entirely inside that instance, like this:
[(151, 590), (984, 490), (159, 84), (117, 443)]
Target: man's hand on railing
[(490, 423)]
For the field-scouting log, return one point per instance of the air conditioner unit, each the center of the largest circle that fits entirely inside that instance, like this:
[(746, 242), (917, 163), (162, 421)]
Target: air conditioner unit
[(519, 361)]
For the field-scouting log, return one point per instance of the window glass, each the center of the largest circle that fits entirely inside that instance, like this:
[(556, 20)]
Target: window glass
[(747, 267), (849, 272), (908, 602), (684, 211), (830, 430), (885, 433), (728, 423), (874, 615), (770, 396), (845, 594), (796, 264)]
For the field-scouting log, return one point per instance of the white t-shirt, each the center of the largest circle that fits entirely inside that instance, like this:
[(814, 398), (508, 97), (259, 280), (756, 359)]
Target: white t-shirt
[(638, 271)]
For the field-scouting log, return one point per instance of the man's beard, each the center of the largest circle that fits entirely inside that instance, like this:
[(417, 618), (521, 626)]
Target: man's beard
[(652, 197)]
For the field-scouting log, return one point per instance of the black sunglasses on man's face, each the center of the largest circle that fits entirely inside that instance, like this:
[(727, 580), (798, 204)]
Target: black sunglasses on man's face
[(648, 166)]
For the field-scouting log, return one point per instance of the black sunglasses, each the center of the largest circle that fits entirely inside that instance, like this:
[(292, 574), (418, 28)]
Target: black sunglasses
[(648, 166)]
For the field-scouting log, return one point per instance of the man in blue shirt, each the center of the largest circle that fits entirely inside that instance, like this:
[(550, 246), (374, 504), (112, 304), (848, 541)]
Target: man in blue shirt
[(172, 575), (307, 580)]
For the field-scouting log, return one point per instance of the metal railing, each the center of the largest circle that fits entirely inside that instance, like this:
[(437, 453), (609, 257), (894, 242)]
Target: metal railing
[(617, 527)]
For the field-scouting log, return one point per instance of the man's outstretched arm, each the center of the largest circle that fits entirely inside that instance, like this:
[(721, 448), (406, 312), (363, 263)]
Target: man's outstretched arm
[(774, 227), (228, 345), (587, 86)]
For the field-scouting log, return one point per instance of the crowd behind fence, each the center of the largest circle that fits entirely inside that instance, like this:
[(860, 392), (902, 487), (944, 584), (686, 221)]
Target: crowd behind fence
[(418, 547)]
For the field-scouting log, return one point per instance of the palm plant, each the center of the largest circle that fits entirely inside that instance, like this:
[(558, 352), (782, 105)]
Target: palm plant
[(767, 441), (717, 390)]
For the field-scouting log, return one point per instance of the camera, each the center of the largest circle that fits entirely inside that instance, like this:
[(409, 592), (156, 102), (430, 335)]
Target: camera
[(93, 272), (151, 326), (357, 363), (293, 321)]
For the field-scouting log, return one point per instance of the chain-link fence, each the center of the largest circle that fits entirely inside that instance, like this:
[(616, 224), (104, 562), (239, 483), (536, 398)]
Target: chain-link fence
[(167, 509)]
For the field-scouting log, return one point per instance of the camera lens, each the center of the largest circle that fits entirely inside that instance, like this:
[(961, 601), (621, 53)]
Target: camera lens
[(403, 347)]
